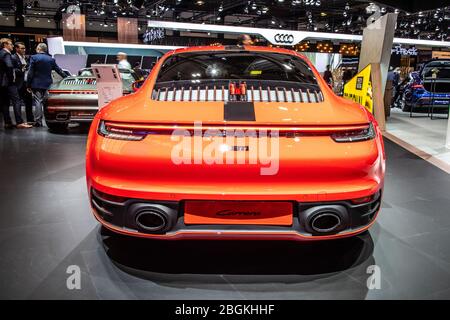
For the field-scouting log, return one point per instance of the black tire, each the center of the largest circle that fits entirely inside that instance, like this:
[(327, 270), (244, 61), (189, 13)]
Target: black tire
[(403, 105), (406, 108), (57, 126)]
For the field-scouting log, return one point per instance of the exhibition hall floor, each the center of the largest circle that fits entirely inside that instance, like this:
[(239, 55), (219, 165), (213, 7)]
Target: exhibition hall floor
[(46, 226), (425, 136)]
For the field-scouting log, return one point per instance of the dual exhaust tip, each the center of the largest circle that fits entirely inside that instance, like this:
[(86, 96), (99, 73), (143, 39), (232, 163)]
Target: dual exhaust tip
[(152, 218), (157, 219), (325, 219), (325, 222)]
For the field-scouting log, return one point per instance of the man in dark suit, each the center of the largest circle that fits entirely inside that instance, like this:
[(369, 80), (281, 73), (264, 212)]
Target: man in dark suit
[(20, 62), (8, 89), (39, 79)]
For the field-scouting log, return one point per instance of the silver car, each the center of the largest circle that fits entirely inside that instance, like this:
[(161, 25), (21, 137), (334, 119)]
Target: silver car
[(75, 99)]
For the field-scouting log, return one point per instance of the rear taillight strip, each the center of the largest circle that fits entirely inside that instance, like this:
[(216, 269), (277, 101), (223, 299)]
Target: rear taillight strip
[(72, 91), (286, 131)]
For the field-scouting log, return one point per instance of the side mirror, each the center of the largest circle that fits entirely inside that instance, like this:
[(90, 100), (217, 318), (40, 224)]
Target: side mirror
[(137, 85)]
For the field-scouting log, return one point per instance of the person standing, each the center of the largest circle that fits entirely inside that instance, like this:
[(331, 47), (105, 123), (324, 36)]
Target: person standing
[(20, 62), (6, 77), (328, 76), (9, 88), (122, 61), (39, 79)]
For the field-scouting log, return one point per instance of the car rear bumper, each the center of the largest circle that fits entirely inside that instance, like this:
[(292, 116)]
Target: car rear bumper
[(68, 114), (122, 218), (315, 173)]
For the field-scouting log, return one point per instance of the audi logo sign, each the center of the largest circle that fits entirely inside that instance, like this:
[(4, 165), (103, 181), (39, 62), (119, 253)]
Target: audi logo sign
[(284, 38)]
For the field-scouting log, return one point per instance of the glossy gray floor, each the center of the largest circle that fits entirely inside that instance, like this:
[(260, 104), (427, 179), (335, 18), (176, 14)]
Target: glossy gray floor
[(46, 226)]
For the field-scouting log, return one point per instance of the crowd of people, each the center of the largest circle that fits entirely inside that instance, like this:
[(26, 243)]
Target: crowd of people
[(24, 81)]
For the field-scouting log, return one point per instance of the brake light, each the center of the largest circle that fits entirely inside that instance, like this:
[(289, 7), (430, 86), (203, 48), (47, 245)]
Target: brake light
[(111, 132), (417, 86), (355, 135)]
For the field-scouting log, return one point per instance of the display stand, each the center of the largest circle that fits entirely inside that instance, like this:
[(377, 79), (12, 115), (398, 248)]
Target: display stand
[(109, 83), (447, 142), (433, 91), (377, 96)]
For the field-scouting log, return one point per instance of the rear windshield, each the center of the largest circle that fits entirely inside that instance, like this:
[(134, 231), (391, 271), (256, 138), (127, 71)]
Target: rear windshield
[(223, 66), (441, 68)]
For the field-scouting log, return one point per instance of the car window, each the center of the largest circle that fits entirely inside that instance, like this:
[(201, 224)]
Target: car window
[(225, 65), (442, 68)]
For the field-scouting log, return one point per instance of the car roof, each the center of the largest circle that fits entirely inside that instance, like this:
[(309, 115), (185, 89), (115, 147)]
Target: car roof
[(437, 62), (238, 48)]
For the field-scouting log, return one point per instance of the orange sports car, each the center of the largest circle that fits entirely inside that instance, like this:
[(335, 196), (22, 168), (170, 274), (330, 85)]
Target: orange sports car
[(233, 142)]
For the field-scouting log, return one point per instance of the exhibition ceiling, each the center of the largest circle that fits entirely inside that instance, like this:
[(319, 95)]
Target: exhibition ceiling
[(416, 19)]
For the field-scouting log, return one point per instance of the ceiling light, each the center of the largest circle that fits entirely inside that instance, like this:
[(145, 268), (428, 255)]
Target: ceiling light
[(200, 2)]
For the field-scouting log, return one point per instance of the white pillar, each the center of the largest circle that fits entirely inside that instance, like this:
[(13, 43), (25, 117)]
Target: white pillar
[(376, 46), (447, 144)]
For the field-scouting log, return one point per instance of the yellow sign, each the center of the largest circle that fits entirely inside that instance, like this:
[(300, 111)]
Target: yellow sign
[(359, 89), (440, 55)]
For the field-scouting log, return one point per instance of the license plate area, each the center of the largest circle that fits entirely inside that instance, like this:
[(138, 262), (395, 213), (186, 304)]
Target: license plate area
[(275, 213)]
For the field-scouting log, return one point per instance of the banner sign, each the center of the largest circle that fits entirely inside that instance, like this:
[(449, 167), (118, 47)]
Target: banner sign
[(109, 83), (440, 55), (359, 89), (55, 45), (398, 49), (282, 37)]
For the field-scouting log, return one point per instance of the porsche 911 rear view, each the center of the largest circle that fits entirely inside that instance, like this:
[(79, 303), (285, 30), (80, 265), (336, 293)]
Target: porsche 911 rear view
[(235, 143)]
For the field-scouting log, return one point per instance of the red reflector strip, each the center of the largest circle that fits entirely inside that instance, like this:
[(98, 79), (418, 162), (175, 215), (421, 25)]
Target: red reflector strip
[(109, 197), (363, 199)]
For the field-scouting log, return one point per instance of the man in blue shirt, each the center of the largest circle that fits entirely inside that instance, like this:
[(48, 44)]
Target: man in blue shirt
[(39, 79)]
